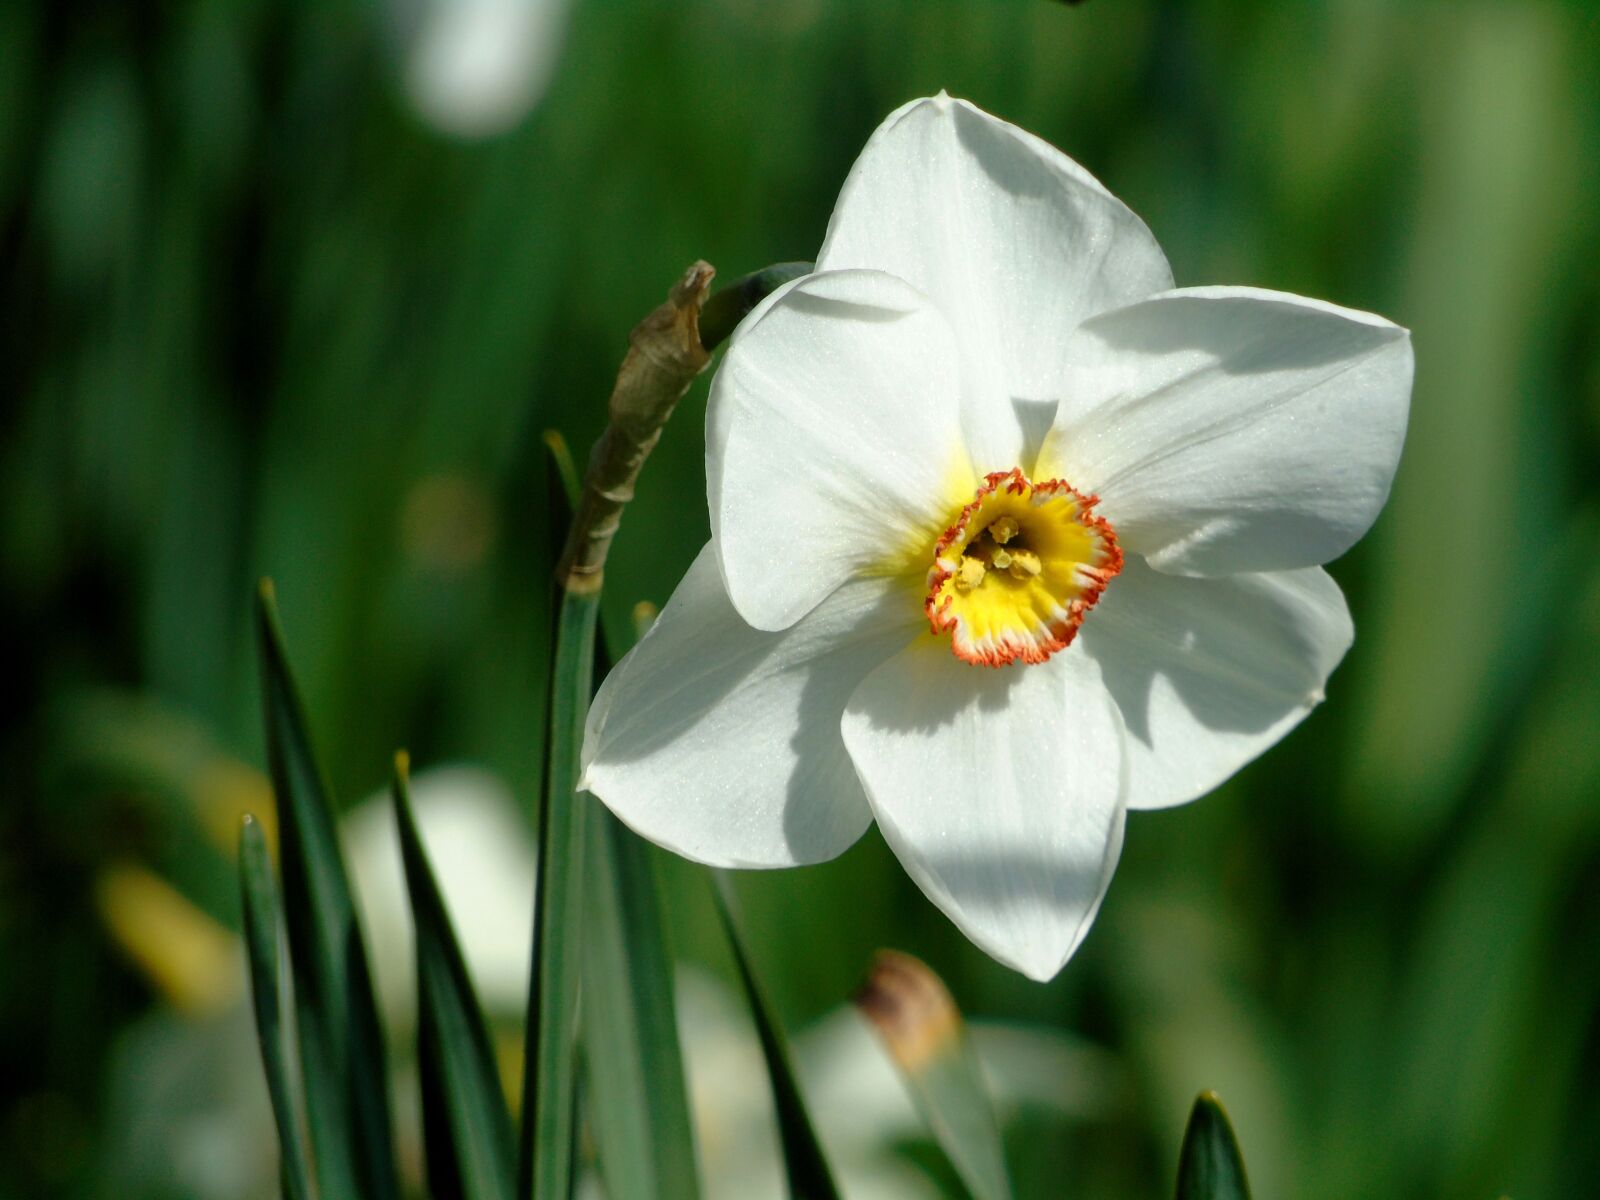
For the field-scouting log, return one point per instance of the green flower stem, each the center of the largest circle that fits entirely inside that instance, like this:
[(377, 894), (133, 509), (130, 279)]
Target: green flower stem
[(548, 1101), (633, 1081), (665, 354), (664, 357)]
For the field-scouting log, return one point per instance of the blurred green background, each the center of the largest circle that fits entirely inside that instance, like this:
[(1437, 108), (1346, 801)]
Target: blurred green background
[(266, 310)]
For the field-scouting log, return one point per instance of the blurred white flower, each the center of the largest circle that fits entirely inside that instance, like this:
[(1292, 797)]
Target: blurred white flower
[(188, 1096), (863, 1113), (189, 1100), (988, 423), (482, 856), (186, 1109), (476, 67)]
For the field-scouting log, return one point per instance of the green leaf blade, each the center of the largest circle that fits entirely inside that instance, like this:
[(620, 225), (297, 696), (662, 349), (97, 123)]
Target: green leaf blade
[(1210, 1166), (259, 895), (912, 1011), (566, 485), (467, 1125), (341, 1048), (805, 1165), (638, 1101)]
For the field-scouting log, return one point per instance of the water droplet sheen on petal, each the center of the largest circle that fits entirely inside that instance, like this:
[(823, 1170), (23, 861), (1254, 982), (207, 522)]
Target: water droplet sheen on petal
[(1018, 570)]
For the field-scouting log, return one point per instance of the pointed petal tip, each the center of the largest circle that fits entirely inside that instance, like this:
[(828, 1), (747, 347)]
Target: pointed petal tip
[(1025, 881), (1040, 970), (1040, 961)]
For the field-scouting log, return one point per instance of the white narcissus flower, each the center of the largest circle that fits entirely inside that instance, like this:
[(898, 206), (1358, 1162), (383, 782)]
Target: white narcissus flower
[(1009, 537)]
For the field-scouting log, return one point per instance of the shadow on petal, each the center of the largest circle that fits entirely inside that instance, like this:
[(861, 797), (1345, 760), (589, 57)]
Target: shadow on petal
[(1241, 652)]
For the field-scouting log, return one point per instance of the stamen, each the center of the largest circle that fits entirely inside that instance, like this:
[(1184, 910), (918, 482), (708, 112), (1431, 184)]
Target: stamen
[(1024, 564), (1003, 530), (970, 573)]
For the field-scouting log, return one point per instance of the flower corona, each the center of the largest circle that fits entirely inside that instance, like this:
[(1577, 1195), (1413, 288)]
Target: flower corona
[(1018, 570)]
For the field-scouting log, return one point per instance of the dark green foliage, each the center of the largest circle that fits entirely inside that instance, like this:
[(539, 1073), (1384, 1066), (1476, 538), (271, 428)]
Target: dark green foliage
[(1210, 1166), (466, 1126), (261, 319), (341, 1049), (262, 931)]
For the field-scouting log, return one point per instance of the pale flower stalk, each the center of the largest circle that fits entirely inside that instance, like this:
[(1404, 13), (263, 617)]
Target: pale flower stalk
[(1009, 537)]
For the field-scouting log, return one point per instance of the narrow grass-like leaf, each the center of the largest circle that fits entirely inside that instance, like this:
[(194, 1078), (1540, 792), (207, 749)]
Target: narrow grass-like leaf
[(805, 1165), (567, 483), (468, 1127), (1210, 1166), (341, 1049), (546, 1143), (261, 926), (920, 1025), (637, 1100)]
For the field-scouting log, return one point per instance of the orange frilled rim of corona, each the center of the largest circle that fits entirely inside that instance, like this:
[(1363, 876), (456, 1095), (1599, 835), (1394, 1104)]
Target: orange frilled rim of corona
[(1018, 570)]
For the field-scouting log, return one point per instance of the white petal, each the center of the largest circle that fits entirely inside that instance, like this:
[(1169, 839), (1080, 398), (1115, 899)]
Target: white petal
[(721, 742), (1014, 241), (1231, 429), (833, 440), (1209, 673), (999, 790)]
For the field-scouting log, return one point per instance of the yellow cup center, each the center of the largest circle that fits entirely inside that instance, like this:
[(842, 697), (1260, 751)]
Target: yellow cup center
[(1018, 570)]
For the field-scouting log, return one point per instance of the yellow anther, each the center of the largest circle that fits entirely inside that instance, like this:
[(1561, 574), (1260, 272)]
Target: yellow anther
[(1003, 530), (1023, 564), (1001, 559), (969, 574)]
